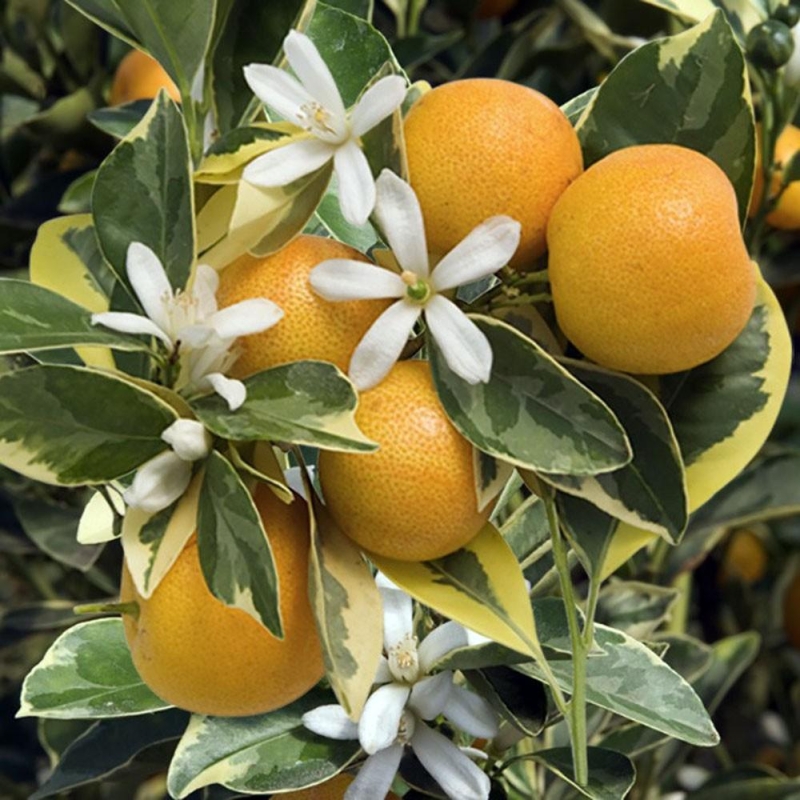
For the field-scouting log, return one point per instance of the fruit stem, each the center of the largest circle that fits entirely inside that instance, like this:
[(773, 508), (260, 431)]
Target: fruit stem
[(581, 643), (131, 608)]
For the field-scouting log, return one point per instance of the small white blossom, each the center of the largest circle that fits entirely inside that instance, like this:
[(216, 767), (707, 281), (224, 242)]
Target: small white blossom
[(188, 323), (407, 695), (314, 103), (163, 479), (419, 290)]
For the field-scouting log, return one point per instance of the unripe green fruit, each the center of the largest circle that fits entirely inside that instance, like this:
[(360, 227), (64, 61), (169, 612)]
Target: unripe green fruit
[(788, 15), (770, 44)]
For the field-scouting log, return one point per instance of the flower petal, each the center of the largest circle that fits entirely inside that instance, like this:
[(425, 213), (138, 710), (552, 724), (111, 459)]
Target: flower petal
[(470, 713), (233, 392), (308, 65), (356, 184), (188, 438), (283, 165), (382, 344), (453, 771), (149, 280), (375, 777), (439, 642), (330, 721), (380, 718), (279, 90), (344, 279), (480, 253), (204, 289), (125, 322), (464, 346), (380, 100), (397, 617), (430, 696), (158, 483), (383, 674), (246, 317), (400, 218)]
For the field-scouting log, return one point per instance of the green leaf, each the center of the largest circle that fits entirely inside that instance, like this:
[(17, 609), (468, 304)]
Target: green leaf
[(518, 698), (630, 680), (532, 412), (34, 318), (590, 531), (690, 89), (119, 121), (234, 549), (176, 34), (722, 411), (70, 425), (87, 672), (742, 14), (747, 782), (143, 193), (650, 491), (348, 610), (611, 774), (108, 746), (78, 197), (353, 50), (329, 213), (635, 608), (305, 402), (107, 15), (248, 31), (256, 755), (481, 586)]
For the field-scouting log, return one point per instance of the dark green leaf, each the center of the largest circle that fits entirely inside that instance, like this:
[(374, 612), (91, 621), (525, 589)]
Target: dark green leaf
[(234, 550), (611, 774)]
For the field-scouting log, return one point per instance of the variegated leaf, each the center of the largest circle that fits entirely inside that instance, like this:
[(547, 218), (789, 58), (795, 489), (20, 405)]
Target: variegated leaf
[(262, 754), (481, 586), (650, 491), (491, 475), (305, 402), (99, 520), (258, 460), (87, 672), (234, 549), (347, 608), (630, 680), (690, 89), (742, 14), (33, 318), (532, 412), (70, 425), (152, 165), (153, 542), (722, 412), (260, 219)]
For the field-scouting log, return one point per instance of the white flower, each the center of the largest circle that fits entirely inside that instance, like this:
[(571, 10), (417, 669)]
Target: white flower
[(395, 713), (484, 250), (164, 478), (188, 322), (314, 103)]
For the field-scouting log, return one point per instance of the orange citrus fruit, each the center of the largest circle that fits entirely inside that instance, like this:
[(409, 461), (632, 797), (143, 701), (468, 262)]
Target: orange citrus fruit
[(786, 214), (648, 268), (791, 612), (413, 499), (311, 327), (199, 654), (481, 147), (334, 789), (745, 558), (493, 8), (139, 77)]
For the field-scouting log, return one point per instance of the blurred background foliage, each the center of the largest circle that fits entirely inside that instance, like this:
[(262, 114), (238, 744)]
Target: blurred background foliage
[(737, 571)]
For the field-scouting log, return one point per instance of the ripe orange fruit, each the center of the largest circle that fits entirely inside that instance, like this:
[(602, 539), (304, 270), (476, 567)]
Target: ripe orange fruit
[(786, 215), (139, 77), (493, 8), (481, 147), (745, 558), (648, 268), (334, 789), (311, 327), (791, 612), (199, 654), (414, 498)]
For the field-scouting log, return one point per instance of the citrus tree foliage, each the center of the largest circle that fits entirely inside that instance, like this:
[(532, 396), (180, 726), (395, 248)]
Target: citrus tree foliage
[(580, 467)]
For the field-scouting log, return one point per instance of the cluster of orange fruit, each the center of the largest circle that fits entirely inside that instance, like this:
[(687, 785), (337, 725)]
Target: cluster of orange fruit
[(649, 274)]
